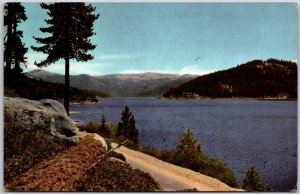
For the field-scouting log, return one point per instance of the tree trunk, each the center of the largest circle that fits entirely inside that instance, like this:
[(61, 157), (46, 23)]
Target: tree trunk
[(67, 62)]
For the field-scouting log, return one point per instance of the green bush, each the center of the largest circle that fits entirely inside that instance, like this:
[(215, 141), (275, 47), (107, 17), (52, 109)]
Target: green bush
[(90, 127), (218, 169), (112, 130), (150, 151)]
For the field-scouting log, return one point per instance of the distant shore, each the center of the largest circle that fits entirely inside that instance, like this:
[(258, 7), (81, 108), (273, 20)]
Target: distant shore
[(84, 102), (233, 98)]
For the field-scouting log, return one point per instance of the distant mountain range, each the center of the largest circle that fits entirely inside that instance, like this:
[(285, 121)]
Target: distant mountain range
[(119, 85), (255, 79)]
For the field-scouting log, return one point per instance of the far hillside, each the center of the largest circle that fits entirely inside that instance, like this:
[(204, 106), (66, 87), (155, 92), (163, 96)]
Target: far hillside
[(119, 85), (255, 79), (19, 85)]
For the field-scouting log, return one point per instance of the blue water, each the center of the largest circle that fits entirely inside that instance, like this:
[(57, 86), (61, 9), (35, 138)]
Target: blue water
[(240, 132)]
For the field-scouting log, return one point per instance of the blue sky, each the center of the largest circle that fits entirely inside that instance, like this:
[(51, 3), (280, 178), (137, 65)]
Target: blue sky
[(195, 38)]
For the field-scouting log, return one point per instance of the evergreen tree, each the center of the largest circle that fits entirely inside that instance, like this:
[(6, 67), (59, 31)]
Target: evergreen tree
[(103, 129), (253, 181), (189, 152), (70, 26), (14, 49), (127, 126)]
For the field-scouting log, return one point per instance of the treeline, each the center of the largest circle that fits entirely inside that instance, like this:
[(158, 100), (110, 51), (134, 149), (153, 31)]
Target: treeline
[(254, 79), (125, 130), (19, 85)]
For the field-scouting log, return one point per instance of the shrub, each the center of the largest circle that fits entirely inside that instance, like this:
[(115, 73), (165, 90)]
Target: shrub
[(90, 127), (112, 130), (218, 169), (150, 151), (115, 177)]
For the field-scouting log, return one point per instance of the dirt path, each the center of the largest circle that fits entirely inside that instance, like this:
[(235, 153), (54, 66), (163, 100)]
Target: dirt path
[(172, 177)]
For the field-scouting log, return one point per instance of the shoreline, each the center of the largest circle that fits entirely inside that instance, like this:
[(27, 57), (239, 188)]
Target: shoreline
[(84, 102), (235, 98)]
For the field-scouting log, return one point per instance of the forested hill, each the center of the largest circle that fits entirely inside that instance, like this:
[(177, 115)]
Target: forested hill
[(31, 88), (254, 79)]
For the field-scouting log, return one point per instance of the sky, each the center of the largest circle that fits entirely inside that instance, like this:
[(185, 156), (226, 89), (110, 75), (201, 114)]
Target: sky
[(183, 38)]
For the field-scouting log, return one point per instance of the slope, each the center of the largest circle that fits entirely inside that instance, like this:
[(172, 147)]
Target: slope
[(254, 79)]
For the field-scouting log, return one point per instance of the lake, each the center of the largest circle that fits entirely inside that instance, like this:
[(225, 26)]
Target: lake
[(240, 132)]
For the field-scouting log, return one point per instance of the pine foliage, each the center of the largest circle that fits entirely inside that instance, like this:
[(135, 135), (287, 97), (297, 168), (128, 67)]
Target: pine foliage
[(70, 26), (127, 126), (14, 48), (103, 128), (254, 182), (189, 152)]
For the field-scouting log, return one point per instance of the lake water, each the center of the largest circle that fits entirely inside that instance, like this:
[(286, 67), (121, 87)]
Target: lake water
[(240, 132)]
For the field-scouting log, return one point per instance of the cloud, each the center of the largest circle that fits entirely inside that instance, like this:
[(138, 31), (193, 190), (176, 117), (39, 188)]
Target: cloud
[(194, 69), (189, 69), (91, 68), (295, 61)]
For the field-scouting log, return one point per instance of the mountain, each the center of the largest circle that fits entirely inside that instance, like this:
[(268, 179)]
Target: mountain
[(255, 79), (119, 85)]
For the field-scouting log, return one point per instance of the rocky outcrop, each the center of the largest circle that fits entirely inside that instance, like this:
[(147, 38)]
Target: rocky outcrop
[(34, 131), (47, 115)]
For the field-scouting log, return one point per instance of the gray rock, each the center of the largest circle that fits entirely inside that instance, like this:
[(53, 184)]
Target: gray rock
[(48, 115)]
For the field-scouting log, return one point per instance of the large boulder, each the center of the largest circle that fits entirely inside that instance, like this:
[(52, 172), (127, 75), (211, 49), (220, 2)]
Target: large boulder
[(48, 115), (34, 131)]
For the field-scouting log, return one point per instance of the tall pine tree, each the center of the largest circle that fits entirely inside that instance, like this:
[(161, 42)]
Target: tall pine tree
[(70, 26), (14, 48)]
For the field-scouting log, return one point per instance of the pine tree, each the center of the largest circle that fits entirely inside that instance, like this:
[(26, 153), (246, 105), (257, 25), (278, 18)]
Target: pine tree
[(127, 126), (103, 129), (14, 49), (189, 152), (70, 26), (253, 181)]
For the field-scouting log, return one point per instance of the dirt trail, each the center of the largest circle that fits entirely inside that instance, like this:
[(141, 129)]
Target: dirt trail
[(172, 177)]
